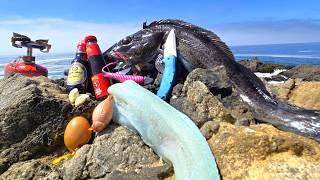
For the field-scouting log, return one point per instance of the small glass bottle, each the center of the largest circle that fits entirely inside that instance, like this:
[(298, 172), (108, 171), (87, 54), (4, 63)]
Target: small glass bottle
[(78, 71)]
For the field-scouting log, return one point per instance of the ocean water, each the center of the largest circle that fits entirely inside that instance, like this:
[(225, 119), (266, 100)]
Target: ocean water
[(291, 54)]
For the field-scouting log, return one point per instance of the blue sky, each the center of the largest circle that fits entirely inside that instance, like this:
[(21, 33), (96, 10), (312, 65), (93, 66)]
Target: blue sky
[(238, 22)]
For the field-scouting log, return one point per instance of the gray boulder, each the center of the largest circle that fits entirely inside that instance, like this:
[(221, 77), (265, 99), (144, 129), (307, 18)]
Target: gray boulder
[(305, 72), (251, 64), (32, 169), (207, 95), (255, 65), (116, 153), (33, 115)]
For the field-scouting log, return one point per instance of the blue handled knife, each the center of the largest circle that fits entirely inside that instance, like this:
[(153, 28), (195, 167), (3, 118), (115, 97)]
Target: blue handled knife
[(169, 61)]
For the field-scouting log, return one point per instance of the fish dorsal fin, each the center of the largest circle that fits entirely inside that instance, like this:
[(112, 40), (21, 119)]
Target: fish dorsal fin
[(198, 31)]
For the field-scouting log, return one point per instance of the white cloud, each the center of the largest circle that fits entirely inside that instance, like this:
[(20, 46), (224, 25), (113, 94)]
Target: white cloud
[(269, 32), (62, 34)]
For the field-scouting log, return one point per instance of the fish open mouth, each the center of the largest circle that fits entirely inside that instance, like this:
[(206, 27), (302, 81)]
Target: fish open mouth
[(118, 55)]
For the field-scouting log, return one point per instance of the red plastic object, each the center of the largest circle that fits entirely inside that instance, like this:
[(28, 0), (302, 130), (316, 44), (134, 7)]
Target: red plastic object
[(26, 69), (124, 77), (90, 38)]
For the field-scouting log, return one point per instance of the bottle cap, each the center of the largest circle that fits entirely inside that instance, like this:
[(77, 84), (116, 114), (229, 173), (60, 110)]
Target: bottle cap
[(90, 38), (81, 46)]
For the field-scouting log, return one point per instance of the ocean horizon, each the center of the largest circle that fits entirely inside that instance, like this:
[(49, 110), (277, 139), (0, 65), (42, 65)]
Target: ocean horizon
[(289, 54)]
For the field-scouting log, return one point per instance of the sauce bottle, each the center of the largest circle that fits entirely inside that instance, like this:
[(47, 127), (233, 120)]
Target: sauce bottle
[(96, 62), (78, 71)]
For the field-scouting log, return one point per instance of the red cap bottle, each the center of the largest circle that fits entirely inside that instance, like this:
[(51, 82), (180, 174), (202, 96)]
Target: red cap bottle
[(90, 38), (96, 62)]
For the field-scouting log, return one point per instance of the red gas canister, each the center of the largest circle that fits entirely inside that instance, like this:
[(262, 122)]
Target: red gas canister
[(26, 69), (27, 65)]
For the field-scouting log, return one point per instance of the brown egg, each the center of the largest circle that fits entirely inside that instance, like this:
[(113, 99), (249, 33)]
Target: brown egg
[(102, 114), (77, 133)]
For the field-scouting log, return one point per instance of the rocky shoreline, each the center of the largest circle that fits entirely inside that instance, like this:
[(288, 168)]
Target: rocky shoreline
[(35, 111), (296, 85)]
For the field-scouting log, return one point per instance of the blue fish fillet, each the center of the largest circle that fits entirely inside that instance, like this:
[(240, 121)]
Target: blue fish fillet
[(170, 133)]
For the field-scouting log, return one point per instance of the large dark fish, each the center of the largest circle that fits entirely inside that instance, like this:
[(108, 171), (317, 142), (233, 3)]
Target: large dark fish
[(204, 49)]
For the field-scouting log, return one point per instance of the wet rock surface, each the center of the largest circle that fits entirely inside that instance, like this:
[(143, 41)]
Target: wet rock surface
[(278, 78)]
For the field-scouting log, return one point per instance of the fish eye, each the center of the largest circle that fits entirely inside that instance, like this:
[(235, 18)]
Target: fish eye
[(126, 40)]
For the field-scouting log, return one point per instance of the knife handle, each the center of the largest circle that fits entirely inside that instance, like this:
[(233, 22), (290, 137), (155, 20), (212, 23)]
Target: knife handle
[(167, 77)]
